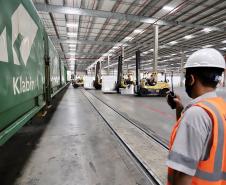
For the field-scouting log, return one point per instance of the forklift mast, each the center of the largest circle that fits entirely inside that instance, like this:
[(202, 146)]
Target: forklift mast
[(119, 77), (75, 70), (137, 69), (97, 74), (97, 81)]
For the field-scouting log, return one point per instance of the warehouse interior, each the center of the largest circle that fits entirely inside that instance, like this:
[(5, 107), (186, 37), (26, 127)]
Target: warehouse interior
[(95, 127)]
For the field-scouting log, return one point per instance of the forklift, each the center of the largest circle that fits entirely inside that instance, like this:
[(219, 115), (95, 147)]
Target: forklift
[(97, 82), (77, 82), (153, 88), (123, 86)]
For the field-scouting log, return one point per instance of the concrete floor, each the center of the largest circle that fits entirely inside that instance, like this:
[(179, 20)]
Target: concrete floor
[(152, 113), (77, 148)]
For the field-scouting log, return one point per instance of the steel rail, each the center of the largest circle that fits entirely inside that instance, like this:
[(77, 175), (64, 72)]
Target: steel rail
[(139, 164)]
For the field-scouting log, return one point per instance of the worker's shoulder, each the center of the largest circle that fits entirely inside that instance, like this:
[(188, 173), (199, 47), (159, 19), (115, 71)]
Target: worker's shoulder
[(195, 110), (197, 118)]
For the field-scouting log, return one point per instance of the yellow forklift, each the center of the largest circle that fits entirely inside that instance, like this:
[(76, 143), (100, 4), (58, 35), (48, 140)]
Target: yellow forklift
[(77, 82), (152, 86)]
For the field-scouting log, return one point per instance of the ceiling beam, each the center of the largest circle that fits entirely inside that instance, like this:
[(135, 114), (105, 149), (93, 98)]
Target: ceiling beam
[(91, 42), (81, 53), (133, 44), (119, 16), (86, 60)]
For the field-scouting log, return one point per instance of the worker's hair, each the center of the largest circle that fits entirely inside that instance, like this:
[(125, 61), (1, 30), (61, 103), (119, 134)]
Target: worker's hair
[(208, 76)]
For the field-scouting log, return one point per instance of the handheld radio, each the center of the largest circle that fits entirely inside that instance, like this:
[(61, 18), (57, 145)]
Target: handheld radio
[(171, 95)]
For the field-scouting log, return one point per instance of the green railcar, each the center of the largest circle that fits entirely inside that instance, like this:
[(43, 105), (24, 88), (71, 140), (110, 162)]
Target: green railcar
[(55, 67), (63, 74), (26, 65)]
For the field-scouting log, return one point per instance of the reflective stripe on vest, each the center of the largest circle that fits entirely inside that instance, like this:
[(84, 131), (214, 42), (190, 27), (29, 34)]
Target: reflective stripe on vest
[(213, 107), (217, 172)]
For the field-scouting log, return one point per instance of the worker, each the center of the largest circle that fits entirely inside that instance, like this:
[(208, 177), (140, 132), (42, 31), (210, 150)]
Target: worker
[(129, 80), (197, 148), (152, 80)]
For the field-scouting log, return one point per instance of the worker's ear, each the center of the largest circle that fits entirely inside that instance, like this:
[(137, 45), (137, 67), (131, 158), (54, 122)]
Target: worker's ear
[(192, 80)]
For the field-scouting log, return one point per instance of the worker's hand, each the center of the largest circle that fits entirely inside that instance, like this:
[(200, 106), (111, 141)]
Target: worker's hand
[(177, 104), (174, 101), (177, 100)]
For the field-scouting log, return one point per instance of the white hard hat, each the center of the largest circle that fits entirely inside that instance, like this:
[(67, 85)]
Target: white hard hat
[(207, 57)]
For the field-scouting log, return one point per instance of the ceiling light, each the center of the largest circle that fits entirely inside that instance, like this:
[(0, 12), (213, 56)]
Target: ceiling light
[(72, 34), (207, 30), (163, 46), (224, 48), (72, 25), (224, 41), (72, 45), (173, 42), (168, 8), (207, 46), (128, 38), (137, 31), (71, 53), (71, 59), (187, 37)]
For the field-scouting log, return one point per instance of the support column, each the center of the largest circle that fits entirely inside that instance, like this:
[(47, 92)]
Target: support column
[(123, 53), (127, 67), (182, 67), (108, 65), (100, 66), (156, 46)]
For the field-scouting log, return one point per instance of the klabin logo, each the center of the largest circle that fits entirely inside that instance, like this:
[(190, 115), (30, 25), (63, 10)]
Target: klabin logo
[(24, 31), (22, 35)]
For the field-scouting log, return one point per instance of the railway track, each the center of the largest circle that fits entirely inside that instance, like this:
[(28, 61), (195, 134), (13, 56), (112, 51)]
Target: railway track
[(143, 162), (147, 131)]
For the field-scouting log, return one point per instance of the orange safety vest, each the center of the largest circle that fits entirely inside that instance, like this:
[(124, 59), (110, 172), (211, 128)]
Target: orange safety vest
[(213, 170)]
